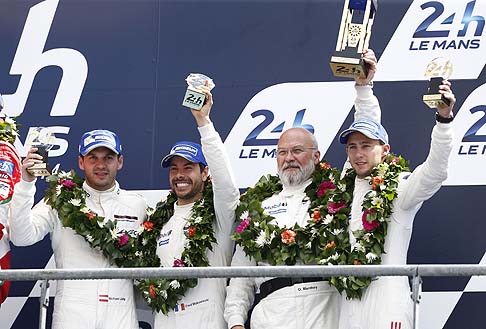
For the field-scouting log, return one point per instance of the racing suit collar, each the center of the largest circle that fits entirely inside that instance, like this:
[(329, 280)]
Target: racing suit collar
[(99, 196)]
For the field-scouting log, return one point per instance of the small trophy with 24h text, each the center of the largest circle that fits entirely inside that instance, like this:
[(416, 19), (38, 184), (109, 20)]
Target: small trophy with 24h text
[(193, 98)]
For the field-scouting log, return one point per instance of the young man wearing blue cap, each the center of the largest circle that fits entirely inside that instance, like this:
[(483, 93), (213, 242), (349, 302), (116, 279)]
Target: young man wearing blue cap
[(202, 306), (386, 302), (107, 304)]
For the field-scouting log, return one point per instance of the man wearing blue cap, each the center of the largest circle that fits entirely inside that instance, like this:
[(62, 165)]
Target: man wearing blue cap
[(386, 302), (107, 304), (189, 164)]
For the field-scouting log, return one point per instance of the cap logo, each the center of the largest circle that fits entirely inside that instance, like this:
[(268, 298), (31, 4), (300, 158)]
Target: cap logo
[(365, 125), (184, 148)]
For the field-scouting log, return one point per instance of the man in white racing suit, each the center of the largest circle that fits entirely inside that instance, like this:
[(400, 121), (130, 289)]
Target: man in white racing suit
[(202, 306), (80, 304), (302, 303), (386, 302)]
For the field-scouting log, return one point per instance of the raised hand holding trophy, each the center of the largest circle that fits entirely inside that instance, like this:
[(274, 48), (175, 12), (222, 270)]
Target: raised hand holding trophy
[(354, 36), (193, 98), (437, 70), (42, 139)]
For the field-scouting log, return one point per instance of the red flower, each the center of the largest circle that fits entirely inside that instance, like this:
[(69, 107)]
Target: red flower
[(1, 231), (191, 231), (90, 215), (376, 181), (316, 215), (321, 191), (148, 226), (288, 237), (367, 224), (67, 183), (152, 292), (334, 207), (123, 240), (178, 263)]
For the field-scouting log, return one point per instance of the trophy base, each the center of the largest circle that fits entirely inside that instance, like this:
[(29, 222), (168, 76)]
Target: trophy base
[(435, 100), (194, 99), (39, 170), (348, 64)]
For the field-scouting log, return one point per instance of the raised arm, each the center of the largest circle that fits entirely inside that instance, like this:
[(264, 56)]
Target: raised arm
[(226, 193), (27, 225), (427, 178)]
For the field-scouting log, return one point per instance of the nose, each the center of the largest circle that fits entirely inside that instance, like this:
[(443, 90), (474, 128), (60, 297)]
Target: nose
[(289, 157)]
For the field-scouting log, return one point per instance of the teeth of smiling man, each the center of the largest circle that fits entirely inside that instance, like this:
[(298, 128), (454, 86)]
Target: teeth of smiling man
[(182, 184)]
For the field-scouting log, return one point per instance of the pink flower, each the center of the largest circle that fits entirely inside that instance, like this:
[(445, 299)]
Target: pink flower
[(69, 184), (369, 225), (123, 240), (395, 160), (243, 225), (334, 207), (324, 187), (288, 236), (178, 263)]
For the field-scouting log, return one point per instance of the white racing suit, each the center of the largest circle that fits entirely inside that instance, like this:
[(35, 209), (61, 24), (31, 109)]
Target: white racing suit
[(81, 304), (310, 305), (202, 306), (386, 303)]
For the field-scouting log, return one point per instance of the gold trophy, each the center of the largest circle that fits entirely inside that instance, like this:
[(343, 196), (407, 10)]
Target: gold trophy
[(354, 37), (43, 139), (193, 98), (438, 69)]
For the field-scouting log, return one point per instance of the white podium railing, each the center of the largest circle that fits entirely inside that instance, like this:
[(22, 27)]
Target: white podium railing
[(416, 272)]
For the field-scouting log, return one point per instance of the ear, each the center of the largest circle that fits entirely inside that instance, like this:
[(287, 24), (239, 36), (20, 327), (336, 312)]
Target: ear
[(205, 173), (386, 149), (81, 162), (317, 157), (120, 162)]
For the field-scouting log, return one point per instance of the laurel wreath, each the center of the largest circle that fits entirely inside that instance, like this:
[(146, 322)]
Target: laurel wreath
[(8, 130), (323, 240), (377, 208), (136, 249)]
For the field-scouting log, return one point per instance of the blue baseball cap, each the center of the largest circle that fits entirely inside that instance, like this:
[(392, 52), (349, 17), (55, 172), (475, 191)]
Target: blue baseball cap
[(99, 138), (188, 150), (369, 128)]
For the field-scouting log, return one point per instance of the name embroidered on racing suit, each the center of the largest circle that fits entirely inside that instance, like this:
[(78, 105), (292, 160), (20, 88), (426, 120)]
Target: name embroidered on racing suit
[(182, 306), (164, 238), (277, 208)]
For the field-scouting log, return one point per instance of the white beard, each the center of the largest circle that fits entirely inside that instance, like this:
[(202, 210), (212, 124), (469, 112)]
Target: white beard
[(294, 178)]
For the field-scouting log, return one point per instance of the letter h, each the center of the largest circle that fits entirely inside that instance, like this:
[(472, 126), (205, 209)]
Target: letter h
[(468, 18), (30, 58)]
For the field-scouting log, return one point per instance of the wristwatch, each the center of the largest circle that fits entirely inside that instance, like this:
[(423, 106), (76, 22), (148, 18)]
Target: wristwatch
[(364, 84), (441, 119)]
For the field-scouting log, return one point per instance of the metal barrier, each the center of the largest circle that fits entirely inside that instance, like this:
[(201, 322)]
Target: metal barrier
[(416, 272)]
